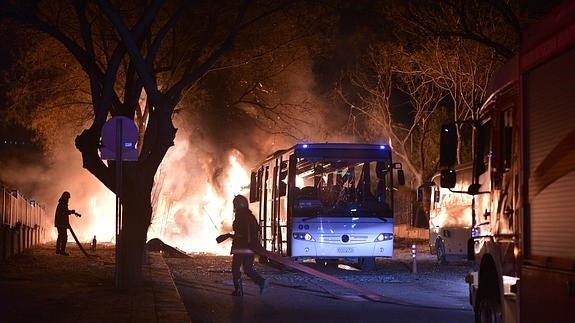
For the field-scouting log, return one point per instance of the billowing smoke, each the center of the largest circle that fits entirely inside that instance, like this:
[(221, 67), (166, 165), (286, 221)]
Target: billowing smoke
[(215, 148), (45, 183)]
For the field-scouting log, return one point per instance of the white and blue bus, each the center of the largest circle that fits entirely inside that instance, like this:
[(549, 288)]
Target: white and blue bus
[(327, 202)]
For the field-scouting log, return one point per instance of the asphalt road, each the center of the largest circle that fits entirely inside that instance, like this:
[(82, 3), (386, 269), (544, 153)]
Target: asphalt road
[(436, 293)]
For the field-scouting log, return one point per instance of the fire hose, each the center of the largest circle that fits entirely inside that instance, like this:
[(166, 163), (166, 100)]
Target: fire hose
[(365, 293), (76, 238)]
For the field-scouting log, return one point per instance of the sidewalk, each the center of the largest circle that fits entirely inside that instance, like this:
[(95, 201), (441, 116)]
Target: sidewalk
[(40, 286)]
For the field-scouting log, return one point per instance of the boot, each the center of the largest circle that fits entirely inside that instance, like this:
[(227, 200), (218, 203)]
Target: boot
[(239, 291)]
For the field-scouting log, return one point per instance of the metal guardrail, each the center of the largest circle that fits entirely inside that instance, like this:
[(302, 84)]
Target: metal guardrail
[(23, 223)]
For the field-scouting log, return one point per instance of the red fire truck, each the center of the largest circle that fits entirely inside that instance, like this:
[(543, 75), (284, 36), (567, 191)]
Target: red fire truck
[(523, 181)]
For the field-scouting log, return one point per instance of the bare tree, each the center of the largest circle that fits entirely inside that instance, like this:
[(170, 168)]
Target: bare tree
[(417, 79), (406, 128), (273, 86), (140, 58), (494, 23), (464, 70)]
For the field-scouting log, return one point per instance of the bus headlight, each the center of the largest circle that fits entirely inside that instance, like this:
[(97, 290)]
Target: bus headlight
[(303, 236), (384, 237)]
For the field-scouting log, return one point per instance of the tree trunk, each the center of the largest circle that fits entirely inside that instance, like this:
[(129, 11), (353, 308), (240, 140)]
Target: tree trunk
[(137, 214), (137, 184)]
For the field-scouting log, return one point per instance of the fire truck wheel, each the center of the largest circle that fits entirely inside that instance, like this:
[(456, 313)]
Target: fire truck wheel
[(440, 252), (488, 311)]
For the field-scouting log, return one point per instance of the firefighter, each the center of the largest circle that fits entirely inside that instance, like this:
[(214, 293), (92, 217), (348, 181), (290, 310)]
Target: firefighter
[(245, 241), (62, 224)]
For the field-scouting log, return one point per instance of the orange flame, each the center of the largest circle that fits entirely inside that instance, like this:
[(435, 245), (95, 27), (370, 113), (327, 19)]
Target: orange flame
[(191, 209), (191, 219)]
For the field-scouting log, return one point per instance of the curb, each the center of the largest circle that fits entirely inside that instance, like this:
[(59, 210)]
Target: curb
[(167, 301)]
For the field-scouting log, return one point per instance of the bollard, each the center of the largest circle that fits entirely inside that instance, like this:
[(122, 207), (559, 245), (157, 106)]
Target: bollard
[(413, 252), (94, 244)]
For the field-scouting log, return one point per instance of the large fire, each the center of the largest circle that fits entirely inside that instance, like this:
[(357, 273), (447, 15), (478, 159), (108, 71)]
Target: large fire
[(191, 222), (191, 201)]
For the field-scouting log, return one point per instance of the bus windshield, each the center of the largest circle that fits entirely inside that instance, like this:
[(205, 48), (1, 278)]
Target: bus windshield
[(342, 188)]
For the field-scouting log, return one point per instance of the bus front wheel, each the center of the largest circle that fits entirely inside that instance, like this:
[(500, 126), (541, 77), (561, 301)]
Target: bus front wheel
[(367, 263)]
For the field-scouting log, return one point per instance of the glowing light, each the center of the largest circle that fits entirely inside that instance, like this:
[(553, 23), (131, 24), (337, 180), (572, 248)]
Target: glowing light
[(191, 200), (384, 237), (196, 204), (102, 211)]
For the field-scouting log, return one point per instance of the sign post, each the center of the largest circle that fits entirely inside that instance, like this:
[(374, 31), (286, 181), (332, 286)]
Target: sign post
[(119, 137)]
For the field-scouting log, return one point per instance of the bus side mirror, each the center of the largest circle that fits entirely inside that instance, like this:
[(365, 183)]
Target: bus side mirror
[(448, 145), (448, 178), (400, 174), (400, 177)]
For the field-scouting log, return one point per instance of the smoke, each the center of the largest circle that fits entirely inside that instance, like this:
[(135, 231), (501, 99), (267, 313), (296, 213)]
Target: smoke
[(215, 149), (44, 183)]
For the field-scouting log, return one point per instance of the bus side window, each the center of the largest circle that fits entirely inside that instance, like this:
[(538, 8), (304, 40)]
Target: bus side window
[(260, 184), (483, 148), (282, 178), (254, 187), (506, 149)]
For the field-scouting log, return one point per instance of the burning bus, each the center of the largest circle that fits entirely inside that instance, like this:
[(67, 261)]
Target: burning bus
[(330, 202)]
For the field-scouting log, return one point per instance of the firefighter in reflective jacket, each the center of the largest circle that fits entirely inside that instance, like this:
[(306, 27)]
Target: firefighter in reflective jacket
[(245, 241)]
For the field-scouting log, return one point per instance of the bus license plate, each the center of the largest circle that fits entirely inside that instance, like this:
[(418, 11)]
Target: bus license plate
[(344, 250)]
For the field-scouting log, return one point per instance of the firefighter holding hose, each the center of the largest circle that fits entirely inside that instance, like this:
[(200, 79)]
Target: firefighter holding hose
[(61, 222)]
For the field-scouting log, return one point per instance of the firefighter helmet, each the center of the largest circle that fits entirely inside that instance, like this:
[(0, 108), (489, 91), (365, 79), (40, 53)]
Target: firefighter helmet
[(64, 198), (240, 202)]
